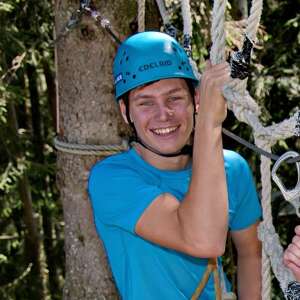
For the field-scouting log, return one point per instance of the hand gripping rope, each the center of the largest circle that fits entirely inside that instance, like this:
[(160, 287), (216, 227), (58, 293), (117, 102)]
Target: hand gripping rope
[(245, 109)]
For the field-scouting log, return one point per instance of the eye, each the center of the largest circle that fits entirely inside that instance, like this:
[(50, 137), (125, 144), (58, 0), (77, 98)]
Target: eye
[(175, 98), (146, 103)]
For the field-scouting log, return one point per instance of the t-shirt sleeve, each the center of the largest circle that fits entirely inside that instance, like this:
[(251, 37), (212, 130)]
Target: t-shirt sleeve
[(244, 202), (119, 195)]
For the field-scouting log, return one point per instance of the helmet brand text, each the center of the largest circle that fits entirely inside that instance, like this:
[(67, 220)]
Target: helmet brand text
[(155, 64)]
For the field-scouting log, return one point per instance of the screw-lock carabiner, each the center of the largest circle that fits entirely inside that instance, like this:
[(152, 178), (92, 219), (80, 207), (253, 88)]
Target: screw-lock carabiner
[(290, 195)]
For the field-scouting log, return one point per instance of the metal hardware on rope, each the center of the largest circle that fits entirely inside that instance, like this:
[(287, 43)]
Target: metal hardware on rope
[(240, 60), (72, 23), (297, 127), (84, 3), (171, 30), (76, 18), (84, 149), (293, 291), (290, 195), (187, 45), (103, 22)]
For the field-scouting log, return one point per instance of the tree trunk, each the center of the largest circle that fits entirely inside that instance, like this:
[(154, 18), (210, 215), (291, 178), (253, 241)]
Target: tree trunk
[(51, 94), (38, 145), (32, 239), (88, 114)]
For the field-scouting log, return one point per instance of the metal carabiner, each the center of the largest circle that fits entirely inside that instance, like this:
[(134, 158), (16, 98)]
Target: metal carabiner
[(290, 195)]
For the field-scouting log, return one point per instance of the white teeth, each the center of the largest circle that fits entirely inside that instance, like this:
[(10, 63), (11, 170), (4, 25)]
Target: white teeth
[(162, 131)]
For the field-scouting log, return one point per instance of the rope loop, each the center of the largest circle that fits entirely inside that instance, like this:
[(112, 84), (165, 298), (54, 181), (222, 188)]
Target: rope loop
[(89, 149)]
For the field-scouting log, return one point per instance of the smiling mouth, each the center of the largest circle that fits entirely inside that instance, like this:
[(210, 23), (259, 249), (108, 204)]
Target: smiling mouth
[(165, 131)]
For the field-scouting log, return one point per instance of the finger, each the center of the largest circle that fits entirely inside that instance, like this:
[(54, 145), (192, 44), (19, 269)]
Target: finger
[(296, 241), (208, 65), (292, 254), (297, 230), (221, 78), (295, 269), (219, 67)]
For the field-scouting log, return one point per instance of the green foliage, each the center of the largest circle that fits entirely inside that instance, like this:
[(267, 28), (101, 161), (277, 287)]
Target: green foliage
[(26, 35)]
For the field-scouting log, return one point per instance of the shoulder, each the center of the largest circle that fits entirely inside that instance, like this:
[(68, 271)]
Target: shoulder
[(110, 170), (234, 162), (238, 173), (111, 164)]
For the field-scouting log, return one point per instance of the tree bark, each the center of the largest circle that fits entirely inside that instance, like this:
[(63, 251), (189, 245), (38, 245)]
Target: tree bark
[(88, 114)]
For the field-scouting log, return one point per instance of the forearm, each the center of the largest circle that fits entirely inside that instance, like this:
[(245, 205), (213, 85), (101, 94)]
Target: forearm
[(204, 210), (249, 277)]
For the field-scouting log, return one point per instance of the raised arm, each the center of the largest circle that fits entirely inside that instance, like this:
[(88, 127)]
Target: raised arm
[(198, 225)]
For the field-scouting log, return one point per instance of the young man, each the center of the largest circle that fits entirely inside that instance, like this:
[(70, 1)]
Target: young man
[(164, 207)]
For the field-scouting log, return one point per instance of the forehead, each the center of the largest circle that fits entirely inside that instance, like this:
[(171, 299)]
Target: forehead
[(160, 87)]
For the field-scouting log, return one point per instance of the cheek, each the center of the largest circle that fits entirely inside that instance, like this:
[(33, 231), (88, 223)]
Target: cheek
[(140, 119), (186, 113)]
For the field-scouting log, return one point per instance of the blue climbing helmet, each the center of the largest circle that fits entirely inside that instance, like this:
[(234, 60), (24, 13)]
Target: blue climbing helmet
[(149, 56)]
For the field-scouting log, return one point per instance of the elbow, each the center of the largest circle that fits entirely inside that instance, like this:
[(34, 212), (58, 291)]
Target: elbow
[(206, 248)]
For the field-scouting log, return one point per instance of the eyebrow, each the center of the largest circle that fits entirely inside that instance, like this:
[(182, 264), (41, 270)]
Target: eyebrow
[(169, 92)]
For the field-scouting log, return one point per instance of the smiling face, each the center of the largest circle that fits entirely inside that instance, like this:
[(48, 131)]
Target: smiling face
[(162, 113)]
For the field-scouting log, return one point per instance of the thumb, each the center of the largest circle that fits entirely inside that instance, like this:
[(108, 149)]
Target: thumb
[(208, 65)]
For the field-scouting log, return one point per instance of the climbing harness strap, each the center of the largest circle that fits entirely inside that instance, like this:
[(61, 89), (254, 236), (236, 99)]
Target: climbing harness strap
[(212, 267)]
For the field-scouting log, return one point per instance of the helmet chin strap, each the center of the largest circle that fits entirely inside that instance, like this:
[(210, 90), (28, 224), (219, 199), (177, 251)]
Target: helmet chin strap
[(185, 150)]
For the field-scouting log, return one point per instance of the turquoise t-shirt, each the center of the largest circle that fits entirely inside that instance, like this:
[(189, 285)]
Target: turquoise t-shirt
[(121, 187)]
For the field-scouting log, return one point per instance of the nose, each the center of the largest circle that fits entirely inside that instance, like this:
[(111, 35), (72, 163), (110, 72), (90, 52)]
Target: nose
[(164, 112)]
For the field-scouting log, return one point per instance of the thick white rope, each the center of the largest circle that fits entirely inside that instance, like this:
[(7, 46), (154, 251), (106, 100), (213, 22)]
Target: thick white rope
[(188, 32), (141, 15), (217, 51), (187, 17), (246, 110), (163, 11), (271, 243), (266, 192)]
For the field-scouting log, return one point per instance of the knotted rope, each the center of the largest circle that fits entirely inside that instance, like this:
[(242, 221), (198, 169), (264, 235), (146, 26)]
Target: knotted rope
[(246, 110), (89, 149)]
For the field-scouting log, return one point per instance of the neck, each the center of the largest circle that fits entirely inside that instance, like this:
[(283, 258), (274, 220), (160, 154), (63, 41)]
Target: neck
[(164, 163)]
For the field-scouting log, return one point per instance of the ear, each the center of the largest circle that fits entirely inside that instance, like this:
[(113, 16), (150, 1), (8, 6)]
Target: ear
[(197, 99), (122, 107)]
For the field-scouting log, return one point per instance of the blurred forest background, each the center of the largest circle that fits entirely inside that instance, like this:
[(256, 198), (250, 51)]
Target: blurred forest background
[(32, 259)]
